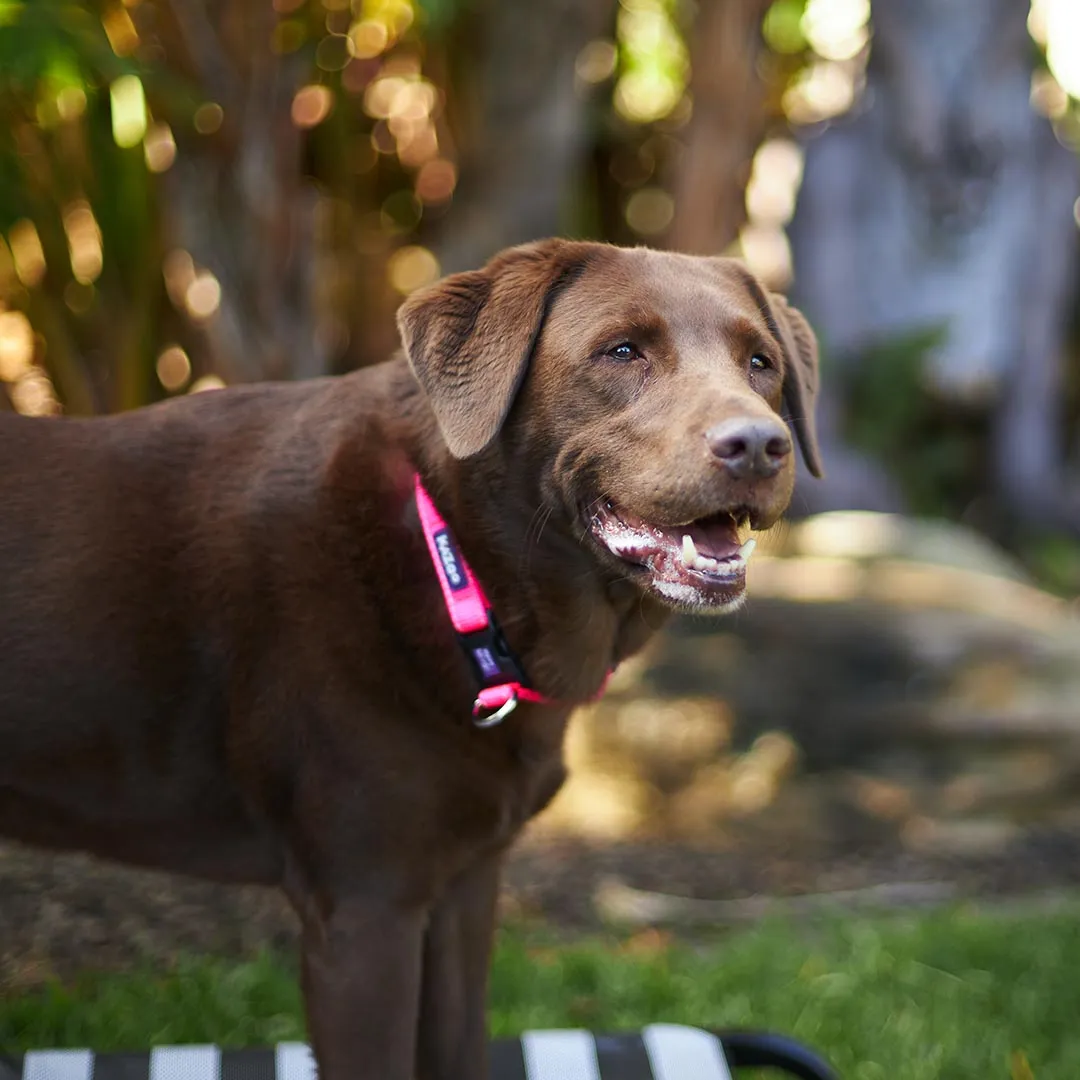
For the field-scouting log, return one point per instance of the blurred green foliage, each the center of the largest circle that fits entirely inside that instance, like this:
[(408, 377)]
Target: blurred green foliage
[(931, 450), (117, 113)]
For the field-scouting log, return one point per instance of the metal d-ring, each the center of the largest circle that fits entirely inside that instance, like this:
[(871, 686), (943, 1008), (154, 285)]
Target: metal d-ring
[(499, 715)]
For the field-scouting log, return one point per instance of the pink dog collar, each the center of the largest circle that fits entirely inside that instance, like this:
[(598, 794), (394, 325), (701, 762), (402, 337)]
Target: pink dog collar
[(502, 679)]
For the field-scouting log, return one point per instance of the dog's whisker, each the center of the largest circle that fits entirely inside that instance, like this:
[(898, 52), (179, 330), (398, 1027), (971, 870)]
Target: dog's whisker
[(543, 525)]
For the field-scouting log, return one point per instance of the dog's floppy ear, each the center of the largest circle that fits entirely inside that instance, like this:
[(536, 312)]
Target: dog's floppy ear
[(800, 377), (469, 337)]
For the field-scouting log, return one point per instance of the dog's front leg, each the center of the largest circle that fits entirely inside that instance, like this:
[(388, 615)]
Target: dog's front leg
[(361, 963), (452, 1041)]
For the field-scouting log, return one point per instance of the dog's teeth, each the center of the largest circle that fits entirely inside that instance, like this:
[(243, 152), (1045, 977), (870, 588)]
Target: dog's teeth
[(689, 552), (747, 549)]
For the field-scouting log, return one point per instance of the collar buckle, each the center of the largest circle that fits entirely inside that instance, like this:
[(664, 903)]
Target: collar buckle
[(493, 661)]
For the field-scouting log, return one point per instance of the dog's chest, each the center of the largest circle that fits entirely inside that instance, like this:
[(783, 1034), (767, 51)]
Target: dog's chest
[(532, 775), (489, 793)]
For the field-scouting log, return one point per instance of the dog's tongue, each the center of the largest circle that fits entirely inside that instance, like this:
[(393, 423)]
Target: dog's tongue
[(715, 538)]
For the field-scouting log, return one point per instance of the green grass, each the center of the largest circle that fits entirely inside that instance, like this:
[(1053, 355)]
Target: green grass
[(954, 995)]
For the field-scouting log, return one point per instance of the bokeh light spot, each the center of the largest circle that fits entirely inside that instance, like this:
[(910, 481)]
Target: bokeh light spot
[(435, 181), (767, 252), (333, 52), (84, 241), (411, 268), (128, 105), (16, 345), (33, 395), (159, 146), (79, 297), (203, 296), (596, 61), (368, 38), (120, 30), (208, 118), (311, 105), (823, 90), (380, 94), (207, 382), (836, 29), (27, 252), (782, 27), (1048, 96), (1061, 19), (382, 141), (774, 181), (655, 62), (173, 368), (644, 96), (71, 103), (649, 211), (178, 269), (418, 146)]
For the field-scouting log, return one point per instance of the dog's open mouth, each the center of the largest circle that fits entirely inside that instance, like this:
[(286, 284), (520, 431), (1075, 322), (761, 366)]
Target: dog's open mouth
[(701, 564)]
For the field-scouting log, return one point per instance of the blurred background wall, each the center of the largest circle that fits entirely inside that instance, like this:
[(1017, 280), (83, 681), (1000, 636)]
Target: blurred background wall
[(201, 192)]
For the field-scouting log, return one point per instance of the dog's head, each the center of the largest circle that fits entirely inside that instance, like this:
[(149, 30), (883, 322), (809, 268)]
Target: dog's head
[(643, 393)]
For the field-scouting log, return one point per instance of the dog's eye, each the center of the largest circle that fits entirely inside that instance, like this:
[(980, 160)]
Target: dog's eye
[(624, 352), (759, 362)]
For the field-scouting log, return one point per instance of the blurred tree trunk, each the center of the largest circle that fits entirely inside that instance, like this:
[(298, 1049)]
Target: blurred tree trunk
[(237, 199), (528, 137), (726, 126), (946, 202)]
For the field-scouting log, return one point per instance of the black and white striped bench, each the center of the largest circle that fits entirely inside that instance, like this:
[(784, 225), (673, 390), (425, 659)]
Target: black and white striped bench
[(659, 1052)]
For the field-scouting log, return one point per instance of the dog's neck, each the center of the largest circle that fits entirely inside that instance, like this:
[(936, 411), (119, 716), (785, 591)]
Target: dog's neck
[(569, 620)]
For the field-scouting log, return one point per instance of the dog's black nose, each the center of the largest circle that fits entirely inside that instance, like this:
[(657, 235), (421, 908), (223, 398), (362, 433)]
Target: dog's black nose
[(749, 448)]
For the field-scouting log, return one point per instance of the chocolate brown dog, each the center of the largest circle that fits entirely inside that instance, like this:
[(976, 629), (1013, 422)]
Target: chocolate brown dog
[(223, 646)]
